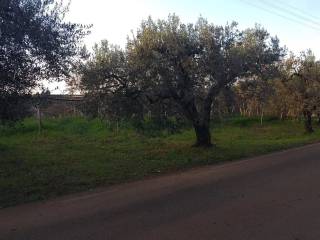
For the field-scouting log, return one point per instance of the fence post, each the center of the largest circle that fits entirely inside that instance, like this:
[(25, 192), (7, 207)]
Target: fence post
[(39, 119)]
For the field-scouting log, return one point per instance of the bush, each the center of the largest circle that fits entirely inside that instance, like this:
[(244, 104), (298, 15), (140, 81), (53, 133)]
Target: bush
[(158, 127), (14, 108)]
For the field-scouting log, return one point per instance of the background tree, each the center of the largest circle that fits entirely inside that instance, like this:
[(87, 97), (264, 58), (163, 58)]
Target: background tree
[(253, 96), (35, 44), (304, 83), (105, 80)]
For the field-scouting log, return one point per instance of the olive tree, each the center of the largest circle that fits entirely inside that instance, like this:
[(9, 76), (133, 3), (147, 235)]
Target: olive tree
[(301, 75), (192, 63), (36, 43)]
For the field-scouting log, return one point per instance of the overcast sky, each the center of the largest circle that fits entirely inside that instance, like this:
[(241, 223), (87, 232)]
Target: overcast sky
[(295, 22)]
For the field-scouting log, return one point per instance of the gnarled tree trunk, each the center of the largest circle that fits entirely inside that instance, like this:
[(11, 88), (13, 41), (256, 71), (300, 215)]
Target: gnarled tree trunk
[(203, 135), (201, 123), (308, 121)]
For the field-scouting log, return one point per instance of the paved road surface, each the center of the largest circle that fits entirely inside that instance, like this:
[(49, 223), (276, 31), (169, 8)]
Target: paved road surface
[(274, 197)]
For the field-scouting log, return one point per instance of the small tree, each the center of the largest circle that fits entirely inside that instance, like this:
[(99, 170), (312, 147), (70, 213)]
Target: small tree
[(105, 80), (253, 96), (304, 80)]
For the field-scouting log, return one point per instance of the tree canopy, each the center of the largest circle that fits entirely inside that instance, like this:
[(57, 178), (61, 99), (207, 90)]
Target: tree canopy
[(187, 63), (36, 43)]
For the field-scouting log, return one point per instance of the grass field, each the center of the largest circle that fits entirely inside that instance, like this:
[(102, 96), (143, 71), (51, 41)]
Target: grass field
[(72, 155)]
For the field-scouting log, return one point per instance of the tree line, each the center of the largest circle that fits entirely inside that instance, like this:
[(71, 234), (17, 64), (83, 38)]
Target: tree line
[(293, 92), (198, 72), (168, 69)]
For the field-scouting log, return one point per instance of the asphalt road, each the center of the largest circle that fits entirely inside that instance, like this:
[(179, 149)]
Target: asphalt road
[(273, 197)]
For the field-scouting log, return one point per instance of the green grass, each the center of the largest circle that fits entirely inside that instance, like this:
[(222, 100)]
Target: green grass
[(73, 155)]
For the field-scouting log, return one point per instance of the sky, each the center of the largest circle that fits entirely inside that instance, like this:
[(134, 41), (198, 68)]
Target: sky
[(295, 22)]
